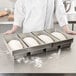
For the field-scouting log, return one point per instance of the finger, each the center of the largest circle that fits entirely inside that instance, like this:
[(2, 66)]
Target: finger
[(73, 33), (6, 33)]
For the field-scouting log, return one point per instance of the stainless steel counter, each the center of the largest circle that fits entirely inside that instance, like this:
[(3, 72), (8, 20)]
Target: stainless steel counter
[(65, 63)]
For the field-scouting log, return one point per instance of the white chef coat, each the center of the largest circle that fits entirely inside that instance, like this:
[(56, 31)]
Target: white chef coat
[(36, 15)]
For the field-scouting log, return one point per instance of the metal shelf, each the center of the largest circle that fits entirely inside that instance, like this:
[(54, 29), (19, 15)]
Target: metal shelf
[(4, 20), (6, 23)]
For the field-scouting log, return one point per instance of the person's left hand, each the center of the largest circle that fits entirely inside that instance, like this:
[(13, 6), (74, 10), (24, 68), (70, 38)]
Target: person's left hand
[(68, 31), (71, 32)]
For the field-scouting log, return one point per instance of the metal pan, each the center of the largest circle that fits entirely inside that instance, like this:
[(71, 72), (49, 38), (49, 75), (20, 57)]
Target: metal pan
[(48, 46), (61, 43), (15, 53), (37, 49)]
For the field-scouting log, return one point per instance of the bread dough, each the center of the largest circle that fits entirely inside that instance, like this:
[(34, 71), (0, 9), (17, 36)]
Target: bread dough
[(15, 45), (3, 13), (59, 35), (11, 17), (45, 38), (30, 41)]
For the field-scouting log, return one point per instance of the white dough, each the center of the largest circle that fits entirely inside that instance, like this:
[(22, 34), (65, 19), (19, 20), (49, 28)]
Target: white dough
[(30, 41), (45, 38), (15, 45), (59, 35)]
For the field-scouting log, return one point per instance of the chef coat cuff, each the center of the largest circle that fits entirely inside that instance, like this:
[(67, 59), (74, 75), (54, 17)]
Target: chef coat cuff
[(63, 21)]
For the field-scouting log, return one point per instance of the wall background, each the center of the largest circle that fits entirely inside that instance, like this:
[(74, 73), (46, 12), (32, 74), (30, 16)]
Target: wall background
[(7, 3), (10, 3)]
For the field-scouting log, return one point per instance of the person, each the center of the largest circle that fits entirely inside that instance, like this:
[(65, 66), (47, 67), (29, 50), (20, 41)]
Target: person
[(36, 15)]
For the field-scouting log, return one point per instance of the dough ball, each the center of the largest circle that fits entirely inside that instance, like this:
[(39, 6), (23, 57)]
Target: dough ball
[(3, 13), (15, 45), (30, 41), (11, 17), (59, 35), (45, 38)]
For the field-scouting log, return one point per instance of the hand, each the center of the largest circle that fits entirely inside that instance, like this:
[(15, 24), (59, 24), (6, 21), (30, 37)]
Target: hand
[(71, 32), (68, 31), (8, 32), (13, 30)]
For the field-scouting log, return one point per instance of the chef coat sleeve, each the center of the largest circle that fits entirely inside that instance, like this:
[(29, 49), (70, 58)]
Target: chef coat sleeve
[(61, 13), (18, 13)]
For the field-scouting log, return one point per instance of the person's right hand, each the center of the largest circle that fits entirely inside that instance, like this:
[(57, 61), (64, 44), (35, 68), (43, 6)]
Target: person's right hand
[(13, 30), (8, 32)]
